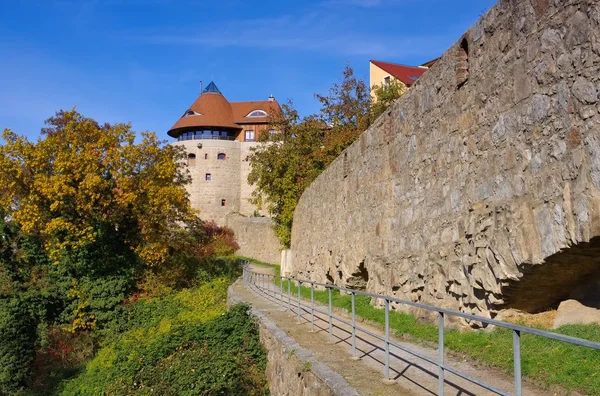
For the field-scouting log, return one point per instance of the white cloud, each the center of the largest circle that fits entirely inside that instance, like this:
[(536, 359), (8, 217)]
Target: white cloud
[(313, 32)]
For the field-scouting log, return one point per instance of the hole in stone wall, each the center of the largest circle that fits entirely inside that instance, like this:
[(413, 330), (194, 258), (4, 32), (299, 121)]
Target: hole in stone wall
[(462, 63), (573, 273), (358, 279), (329, 277)]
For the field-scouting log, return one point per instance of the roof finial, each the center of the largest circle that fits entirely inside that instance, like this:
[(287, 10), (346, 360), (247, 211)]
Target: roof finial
[(271, 98)]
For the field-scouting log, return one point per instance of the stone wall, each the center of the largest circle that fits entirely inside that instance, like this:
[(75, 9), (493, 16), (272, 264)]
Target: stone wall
[(470, 189), (224, 184), (256, 237), (225, 196)]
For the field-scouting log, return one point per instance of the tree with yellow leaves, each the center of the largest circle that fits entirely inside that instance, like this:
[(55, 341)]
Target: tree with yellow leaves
[(82, 180)]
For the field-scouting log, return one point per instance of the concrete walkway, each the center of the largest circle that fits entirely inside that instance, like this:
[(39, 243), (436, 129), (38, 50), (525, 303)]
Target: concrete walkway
[(411, 375)]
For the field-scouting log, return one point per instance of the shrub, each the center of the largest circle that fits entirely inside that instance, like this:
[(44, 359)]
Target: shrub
[(17, 343), (181, 344)]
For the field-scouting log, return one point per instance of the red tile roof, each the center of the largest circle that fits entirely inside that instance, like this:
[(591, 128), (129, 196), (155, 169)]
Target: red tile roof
[(212, 109), (242, 109), (407, 74)]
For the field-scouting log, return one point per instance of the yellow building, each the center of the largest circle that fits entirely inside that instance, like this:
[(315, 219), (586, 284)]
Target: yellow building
[(384, 73)]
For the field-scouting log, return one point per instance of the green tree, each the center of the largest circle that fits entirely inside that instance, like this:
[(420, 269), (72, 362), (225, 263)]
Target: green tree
[(285, 164), (384, 96)]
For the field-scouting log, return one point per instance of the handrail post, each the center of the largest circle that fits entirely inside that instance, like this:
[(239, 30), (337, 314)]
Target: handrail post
[(330, 317), (517, 361), (353, 325), (440, 353), (289, 282), (312, 306), (299, 284), (281, 289), (387, 339)]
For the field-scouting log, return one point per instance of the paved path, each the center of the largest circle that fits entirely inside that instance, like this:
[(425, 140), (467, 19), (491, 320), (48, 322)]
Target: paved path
[(411, 375)]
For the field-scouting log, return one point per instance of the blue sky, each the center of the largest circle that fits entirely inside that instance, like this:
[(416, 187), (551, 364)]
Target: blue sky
[(141, 61)]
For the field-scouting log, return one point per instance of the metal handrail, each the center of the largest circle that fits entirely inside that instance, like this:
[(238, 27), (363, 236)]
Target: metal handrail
[(262, 282)]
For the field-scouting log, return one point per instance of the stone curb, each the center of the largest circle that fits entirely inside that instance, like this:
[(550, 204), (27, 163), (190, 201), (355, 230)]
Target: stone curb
[(333, 380)]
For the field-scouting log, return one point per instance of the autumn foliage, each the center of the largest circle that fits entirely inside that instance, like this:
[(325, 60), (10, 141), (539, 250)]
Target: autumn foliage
[(81, 178), (91, 217)]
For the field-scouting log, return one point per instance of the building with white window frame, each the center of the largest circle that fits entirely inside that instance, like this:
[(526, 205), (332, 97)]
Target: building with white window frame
[(217, 136)]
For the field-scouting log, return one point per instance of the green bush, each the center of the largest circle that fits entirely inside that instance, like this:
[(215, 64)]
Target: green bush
[(184, 343), (17, 344)]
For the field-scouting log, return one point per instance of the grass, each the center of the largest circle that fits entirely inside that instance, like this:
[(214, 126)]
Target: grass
[(261, 263), (546, 361)]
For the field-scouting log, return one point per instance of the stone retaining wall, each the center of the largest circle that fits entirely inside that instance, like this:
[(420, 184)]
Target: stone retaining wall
[(256, 237), (471, 189)]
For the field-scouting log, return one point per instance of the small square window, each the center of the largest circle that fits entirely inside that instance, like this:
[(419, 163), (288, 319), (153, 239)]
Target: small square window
[(223, 202), (249, 136), (207, 177)]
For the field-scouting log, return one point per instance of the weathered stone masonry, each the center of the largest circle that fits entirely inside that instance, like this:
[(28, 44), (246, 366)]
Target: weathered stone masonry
[(480, 188)]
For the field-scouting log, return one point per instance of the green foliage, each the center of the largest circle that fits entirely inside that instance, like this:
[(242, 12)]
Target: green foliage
[(90, 223), (286, 163), (181, 344), (548, 361), (385, 96), (201, 252), (17, 343)]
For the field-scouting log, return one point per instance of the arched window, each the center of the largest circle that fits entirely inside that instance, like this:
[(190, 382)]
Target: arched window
[(191, 159), (221, 156), (257, 113), (206, 156)]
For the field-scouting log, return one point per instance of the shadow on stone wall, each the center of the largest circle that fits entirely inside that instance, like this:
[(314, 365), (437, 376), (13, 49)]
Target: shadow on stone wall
[(573, 273)]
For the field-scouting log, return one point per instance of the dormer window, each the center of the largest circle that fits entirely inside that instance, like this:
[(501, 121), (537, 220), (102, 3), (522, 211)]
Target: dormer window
[(190, 113), (257, 113)]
